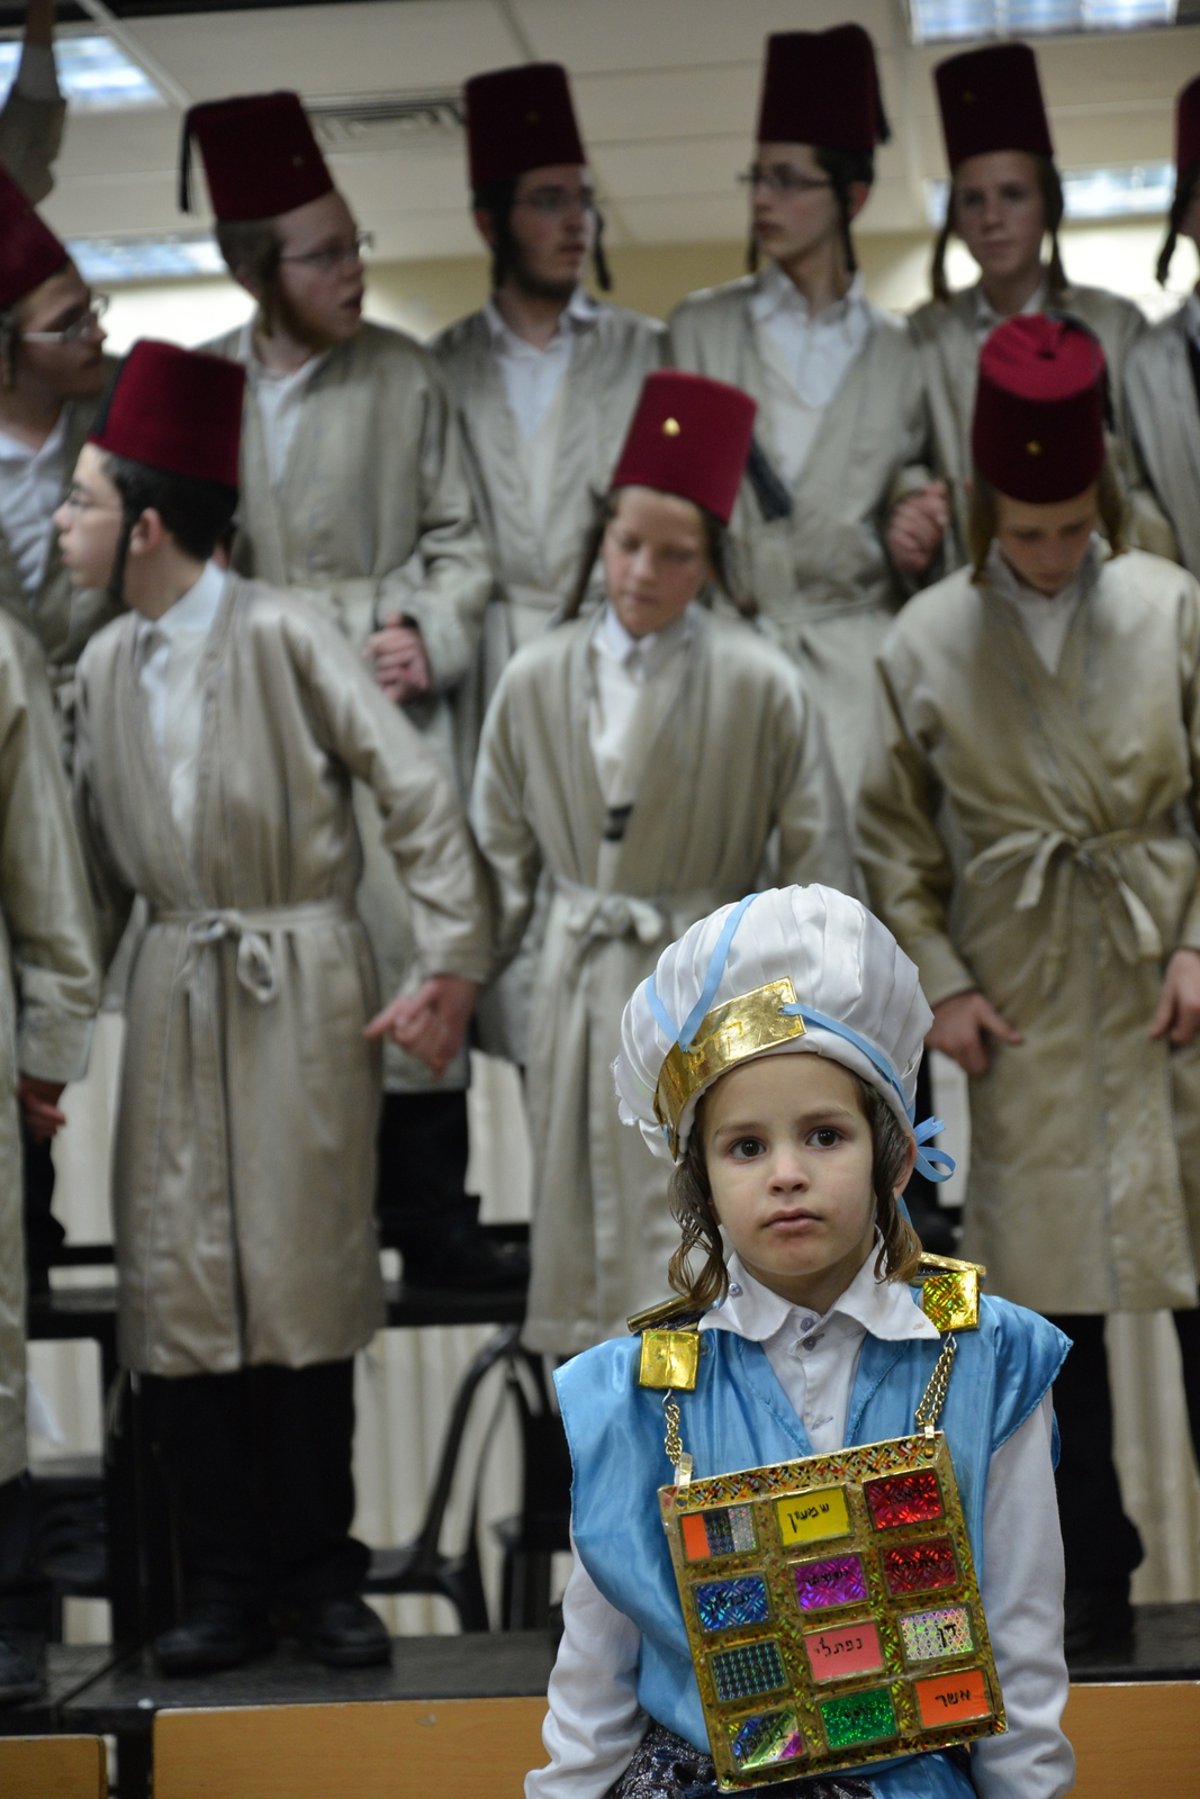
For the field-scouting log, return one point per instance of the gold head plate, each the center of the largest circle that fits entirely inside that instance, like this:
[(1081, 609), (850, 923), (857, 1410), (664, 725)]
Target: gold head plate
[(730, 1033)]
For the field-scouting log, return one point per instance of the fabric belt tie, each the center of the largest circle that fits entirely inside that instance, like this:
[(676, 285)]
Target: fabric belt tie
[(251, 929), (1042, 853), (599, 917)]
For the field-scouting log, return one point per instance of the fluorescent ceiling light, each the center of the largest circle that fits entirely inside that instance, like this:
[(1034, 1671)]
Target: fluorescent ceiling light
[(114, 259), (93, 73), (1142, 191), (951, 21)]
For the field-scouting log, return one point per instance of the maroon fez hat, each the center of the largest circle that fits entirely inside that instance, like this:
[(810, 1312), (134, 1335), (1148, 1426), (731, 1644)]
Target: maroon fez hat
[(29, 251), (1038, 431), (1187, 127), (519, 119), (822, 88), (259, 154), (991, 99), (175, 410), (689, 436)]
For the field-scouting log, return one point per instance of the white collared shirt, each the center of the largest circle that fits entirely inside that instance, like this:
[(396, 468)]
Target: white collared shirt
[(168, 653), (628, 684), (278, 396), (1045, 619), (987, 318), (532, 376), (594, 1722), (806, 357), (31, 487)]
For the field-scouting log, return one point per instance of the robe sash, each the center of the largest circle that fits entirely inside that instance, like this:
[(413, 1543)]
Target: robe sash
[(250, 928)]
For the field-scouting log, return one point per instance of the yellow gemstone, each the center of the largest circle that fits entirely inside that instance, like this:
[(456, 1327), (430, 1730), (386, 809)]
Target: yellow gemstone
[(669, 1359)]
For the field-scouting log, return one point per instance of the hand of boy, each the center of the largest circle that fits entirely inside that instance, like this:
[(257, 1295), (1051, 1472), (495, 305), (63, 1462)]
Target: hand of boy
[(916, 527), (961, 1027), (431, 1023), (1177, 1015), (38, 1101), (397, 655)]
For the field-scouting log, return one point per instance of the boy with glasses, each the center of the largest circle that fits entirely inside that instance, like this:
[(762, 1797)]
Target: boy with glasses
[(352, 493)]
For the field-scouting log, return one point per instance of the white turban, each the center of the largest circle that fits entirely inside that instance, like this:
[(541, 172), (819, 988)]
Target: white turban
[(857, 993)]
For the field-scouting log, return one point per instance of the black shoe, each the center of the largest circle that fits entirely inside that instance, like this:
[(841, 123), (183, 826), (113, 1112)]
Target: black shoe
[(1097, 1618), (344, 1633), (216, 1633), (468, 1260), (22, 1672)]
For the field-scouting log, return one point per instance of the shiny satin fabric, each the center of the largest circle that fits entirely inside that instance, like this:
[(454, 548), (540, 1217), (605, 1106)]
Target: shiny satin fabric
[(245, 1156), (739, 1417), (821, 577), (373, 519), (742, 756), (49, 972), (1022, 832)]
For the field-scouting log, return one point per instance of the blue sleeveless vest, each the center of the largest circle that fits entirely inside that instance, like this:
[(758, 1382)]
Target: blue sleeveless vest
[(739, 1417)]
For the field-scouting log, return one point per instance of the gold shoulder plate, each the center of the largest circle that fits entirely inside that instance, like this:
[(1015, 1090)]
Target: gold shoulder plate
[(670, 1345), (950, 1292)]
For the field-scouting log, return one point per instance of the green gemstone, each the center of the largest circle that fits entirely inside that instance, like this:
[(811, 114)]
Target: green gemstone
[(859, 1718)]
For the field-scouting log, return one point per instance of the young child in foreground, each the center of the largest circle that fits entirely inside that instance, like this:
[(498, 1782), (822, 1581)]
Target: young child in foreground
[(794, 1143)]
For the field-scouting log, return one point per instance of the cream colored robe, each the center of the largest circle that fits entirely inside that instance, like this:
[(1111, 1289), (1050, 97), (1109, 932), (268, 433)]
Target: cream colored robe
[(30, 139), (49, 973), (1079, 881), (822, 577), (60, 617), (740, 757), (245, 1151), (374, 516), (1164, 418), (610, 359), (948, 344)]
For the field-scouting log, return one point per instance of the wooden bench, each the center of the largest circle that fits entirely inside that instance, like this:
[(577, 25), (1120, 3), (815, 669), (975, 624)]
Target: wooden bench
[(456, 1748), (1141, 1737), (53, 1768)]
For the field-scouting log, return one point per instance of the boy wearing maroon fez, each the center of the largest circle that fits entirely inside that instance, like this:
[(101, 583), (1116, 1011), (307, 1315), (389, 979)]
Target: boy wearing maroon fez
[(52, 369), (1162, 377), (841, 422), (32, 116), (222, 727), (1005, 203), (353, 493), (1024, 831), (642, 764), (544, 379)]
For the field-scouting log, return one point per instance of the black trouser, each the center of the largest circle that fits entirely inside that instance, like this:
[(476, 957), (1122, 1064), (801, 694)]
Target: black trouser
[(1100, 1542), (258, 1466), (44, 1235), (421, 1198), (24, 1593)]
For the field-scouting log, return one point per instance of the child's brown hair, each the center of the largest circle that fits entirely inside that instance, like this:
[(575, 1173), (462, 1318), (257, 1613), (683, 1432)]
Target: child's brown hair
[(692, 1207), (982, 516)]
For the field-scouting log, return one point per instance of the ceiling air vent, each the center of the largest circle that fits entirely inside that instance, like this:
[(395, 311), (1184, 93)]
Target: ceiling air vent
[(379, 122)]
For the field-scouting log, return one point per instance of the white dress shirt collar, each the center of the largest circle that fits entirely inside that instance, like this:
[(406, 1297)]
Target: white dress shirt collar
[(645, 655), (579, 314), (986, 316), (194, 611), (884, 1309), (775, 293)]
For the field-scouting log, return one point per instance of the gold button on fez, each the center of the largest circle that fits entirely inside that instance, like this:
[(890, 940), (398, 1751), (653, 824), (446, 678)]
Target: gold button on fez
[(1034, 448), (671, 428), (968, 97), (533, 118)]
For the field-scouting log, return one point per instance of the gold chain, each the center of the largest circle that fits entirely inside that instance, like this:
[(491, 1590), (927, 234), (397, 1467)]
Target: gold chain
[(678, 1457), (929, 1408)]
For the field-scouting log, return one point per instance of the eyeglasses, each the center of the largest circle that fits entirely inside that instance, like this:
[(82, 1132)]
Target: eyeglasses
[(334, 256), (554, 202), (781, 180), (90, 317), (78, 499)]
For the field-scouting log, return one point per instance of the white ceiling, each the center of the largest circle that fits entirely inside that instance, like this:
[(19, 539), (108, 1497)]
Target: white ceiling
[(666, 92)]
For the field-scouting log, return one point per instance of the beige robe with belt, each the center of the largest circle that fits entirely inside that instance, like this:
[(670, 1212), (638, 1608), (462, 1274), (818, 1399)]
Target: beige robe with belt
[(821, 577), (1080, 879), (49, 973), (60, 617), (30, 139), (948, 341), (535, 570), (373, 517), (245, 1151), (1164, 418), (741, 755)]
